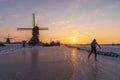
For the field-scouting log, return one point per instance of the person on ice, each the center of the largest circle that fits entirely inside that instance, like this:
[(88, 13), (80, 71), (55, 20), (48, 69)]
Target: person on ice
[(93, 49)]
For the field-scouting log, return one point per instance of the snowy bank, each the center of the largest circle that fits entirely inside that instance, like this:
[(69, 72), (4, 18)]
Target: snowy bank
[(112, 51), (11, 48)]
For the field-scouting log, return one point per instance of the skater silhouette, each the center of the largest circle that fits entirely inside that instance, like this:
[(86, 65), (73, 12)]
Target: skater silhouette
[(24, 43), (93, 48)]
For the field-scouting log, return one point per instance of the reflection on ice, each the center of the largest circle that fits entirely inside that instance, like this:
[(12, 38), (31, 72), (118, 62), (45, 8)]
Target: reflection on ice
[(83, 68), (57, 63), (73, 57)]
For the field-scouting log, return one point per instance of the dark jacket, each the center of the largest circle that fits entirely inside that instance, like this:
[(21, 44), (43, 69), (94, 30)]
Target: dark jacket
[(94, 44)]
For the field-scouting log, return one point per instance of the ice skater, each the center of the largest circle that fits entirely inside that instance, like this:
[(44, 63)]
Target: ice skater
[(93, 49), (24, 43)]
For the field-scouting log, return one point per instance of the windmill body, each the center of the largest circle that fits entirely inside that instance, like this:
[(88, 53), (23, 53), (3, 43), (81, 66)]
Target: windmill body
[(8, 39)]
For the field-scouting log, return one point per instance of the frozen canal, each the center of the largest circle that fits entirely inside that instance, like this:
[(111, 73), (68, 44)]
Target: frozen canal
[(57, 63)]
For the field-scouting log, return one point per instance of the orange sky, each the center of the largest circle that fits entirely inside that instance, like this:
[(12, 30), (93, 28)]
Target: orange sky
[(82, 20)]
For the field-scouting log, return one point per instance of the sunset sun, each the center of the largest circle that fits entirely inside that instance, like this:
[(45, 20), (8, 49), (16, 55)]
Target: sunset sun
[(74, 40)]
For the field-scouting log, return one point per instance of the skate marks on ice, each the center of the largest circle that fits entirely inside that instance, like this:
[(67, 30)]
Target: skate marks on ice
[(57, 63), (106, 68), (49, 63)]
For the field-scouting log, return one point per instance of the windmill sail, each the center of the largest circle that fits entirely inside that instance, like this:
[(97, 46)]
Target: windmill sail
[(24, 28), (31, 28), (33, 19), (43, 28)]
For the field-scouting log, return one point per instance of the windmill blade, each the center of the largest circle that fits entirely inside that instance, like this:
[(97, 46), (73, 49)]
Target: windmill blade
[(12, 38), (24, 28), (9, 38), (43, 28)]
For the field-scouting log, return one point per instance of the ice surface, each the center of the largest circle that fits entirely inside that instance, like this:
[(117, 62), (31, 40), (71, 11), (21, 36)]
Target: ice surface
[(56, 63), (106, 68)]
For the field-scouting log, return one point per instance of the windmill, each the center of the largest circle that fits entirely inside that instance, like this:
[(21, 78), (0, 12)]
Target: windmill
[(35, 32), (8, 39)]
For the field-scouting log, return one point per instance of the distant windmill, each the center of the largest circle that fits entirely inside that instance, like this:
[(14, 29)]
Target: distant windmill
[(8, 39), (35, 32)]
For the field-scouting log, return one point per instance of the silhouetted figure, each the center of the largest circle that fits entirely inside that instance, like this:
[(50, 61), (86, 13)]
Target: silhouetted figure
[(93, 48), (24, 43)]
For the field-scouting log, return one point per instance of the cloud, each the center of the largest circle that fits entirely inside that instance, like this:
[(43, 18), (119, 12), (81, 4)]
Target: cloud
[(3, 0), (115, 5), (61, 22), (107, 9), (38, 18), (97, 11), (81, 18), (69, 27), (58, 23), (70, 22), (15, 16), (6, 0), (80, 0), (1, 21), (53, 23)]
